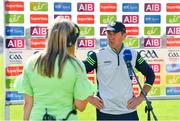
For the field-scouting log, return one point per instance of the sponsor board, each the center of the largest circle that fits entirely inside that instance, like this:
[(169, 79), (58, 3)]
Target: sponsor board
[(130, 7), (172, 42), (85, 7), (86, 31), (132, 42), (103, 43), (39, 6), (173, 30), (17, 43), (86, 43), (152, 42), (14, 31), (152, 19), (130, 19), (14, 96), (62, 6), (85, 19), (172, 90), (156, 30), (173, 79), (38, 18), (108, 7), (173, 7), (38, 30), (173, 19), (155, 91), (132, 31), (152, 7), (63, 16), (36, 43), (105, 19), (14, 18), (14, 5)]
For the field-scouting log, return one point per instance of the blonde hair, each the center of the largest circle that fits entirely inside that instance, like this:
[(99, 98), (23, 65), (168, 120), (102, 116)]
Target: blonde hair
[(56, 48)]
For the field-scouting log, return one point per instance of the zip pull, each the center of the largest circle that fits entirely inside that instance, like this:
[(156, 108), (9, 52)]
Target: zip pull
[(46, 110)]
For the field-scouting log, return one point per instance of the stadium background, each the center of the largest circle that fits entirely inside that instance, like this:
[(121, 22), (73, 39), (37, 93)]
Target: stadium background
[(152, 26)]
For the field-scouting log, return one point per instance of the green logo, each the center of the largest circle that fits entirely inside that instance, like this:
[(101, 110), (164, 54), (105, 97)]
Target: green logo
[(14, 18), (10, 83), (87, 31), (132, 42), (39, 6), (105, 19), (155, 91), (152, 30), (173, 79), (172, 19)]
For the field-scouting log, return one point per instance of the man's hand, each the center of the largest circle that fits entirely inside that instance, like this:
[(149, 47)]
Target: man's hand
[(135, 101), (96, 101)]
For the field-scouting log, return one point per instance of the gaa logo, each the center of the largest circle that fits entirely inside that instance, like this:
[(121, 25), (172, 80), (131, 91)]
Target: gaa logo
[(148, 54)]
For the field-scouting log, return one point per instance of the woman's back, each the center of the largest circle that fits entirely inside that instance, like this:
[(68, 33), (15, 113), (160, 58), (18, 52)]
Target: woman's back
[(55, 94)]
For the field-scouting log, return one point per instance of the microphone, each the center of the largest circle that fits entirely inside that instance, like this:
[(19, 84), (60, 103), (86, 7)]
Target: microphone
[(127, 55)]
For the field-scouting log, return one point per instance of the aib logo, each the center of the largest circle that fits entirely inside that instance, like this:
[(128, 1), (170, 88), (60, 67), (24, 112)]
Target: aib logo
[(85, 7), (148, 54), (130, 19), (38, 30), (63, 16), (156, 68), (173, 30), (102, 31), (152, 7), (86, 43), (15, 43), (151, 42)]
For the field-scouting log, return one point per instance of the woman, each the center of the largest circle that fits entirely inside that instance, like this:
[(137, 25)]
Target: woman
[(54, 81)]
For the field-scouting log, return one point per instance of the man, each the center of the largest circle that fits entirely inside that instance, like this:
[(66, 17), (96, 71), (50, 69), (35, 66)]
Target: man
[(115, 99)]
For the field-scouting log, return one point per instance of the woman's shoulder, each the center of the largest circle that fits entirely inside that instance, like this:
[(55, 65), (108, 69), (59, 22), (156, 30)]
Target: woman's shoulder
[(78, 62), (32, 60)]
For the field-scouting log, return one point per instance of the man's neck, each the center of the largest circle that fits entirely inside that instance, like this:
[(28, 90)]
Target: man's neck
[(118, 49)]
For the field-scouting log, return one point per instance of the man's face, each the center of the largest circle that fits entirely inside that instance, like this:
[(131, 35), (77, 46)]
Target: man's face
[(115, 39)]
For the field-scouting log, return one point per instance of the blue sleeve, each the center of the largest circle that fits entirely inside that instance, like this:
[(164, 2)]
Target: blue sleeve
[(91, 61), (145, 69)]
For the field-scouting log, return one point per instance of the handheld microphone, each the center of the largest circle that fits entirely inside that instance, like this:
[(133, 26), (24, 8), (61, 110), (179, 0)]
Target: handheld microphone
[(127, 55)]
